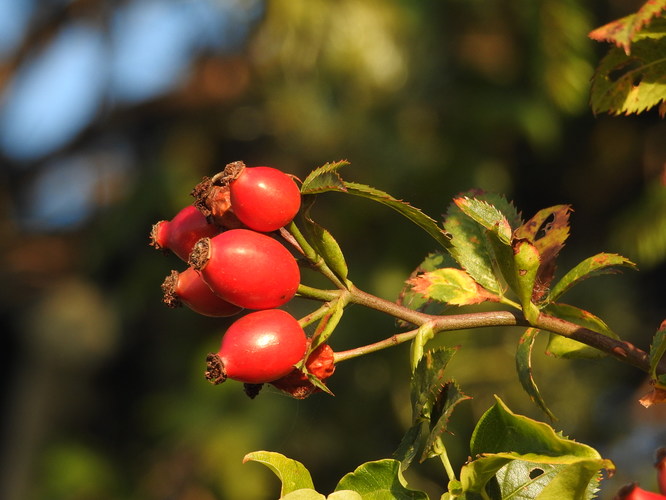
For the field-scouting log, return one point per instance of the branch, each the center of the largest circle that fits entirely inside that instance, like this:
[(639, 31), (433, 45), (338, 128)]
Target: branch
[(621, 350)]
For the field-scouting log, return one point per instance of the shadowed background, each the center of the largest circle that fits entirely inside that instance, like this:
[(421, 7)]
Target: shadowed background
[(111, 111)]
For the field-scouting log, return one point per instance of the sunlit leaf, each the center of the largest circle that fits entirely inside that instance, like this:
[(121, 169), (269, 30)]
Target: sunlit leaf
[(602, 263), (526, 265), (626, 84), (303, 494), (326, 246), (409, 298), (324, 178), (487, 215), (380, 480), (471, 247), (502, 437), (622, 32), (414, 214), (452, 286), (293, 474), (547, 230), (524, 368), (564, 347), (500, 430)]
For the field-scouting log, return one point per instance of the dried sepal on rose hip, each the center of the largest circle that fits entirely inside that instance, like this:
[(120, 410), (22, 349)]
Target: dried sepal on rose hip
[(632, 491), (320, 364), (259, 347), (246, 268), (181, 232), (189, 289), (214, 202), (262, 198)]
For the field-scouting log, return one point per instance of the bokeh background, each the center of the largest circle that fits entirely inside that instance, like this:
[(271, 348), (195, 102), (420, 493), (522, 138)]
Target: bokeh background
[(111, 111)]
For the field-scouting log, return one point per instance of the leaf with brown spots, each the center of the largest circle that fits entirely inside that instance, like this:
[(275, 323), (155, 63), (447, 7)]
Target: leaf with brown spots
[(622, 32), (547, 231)]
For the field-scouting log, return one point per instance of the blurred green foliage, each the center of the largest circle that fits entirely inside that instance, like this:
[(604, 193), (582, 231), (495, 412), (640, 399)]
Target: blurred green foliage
[(105, 389)]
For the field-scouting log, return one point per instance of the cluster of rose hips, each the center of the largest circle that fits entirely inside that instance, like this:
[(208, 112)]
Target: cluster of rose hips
[(237, 261), (633, 491)]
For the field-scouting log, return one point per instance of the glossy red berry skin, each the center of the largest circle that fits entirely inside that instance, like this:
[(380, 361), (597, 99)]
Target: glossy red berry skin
[(248, 269), (181, 233), (264, 198), (259, 347), (634, 492), (189, 289)]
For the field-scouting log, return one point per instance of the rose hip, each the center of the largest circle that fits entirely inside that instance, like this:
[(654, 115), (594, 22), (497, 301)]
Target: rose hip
[(181, 233), (259, 347), (188, 288), (246, 268)]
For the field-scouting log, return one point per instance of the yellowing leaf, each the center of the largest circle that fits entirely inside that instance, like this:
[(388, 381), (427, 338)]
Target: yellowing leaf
[(452, 286)]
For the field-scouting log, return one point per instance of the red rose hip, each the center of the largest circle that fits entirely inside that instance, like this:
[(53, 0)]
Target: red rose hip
[(263, 198), (246, 268), (259, 347), (188, 288), (181, 233)]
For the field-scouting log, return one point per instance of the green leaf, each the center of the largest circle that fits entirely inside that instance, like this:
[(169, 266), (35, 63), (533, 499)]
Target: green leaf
[(293, 474), (414, 214), (657, 349), (602, 263), (526, 265), (502, 438), (500, 430), (380, 480), (324, 178), (428, 380), (344, 495), (622, 32), (448, 398), (564, 347), (470, 246), (326, 246), (410, 444), (451, 286), (327, 324), (487, 215), (522, 479), (303, 494), (626, 84), (524, 368)]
